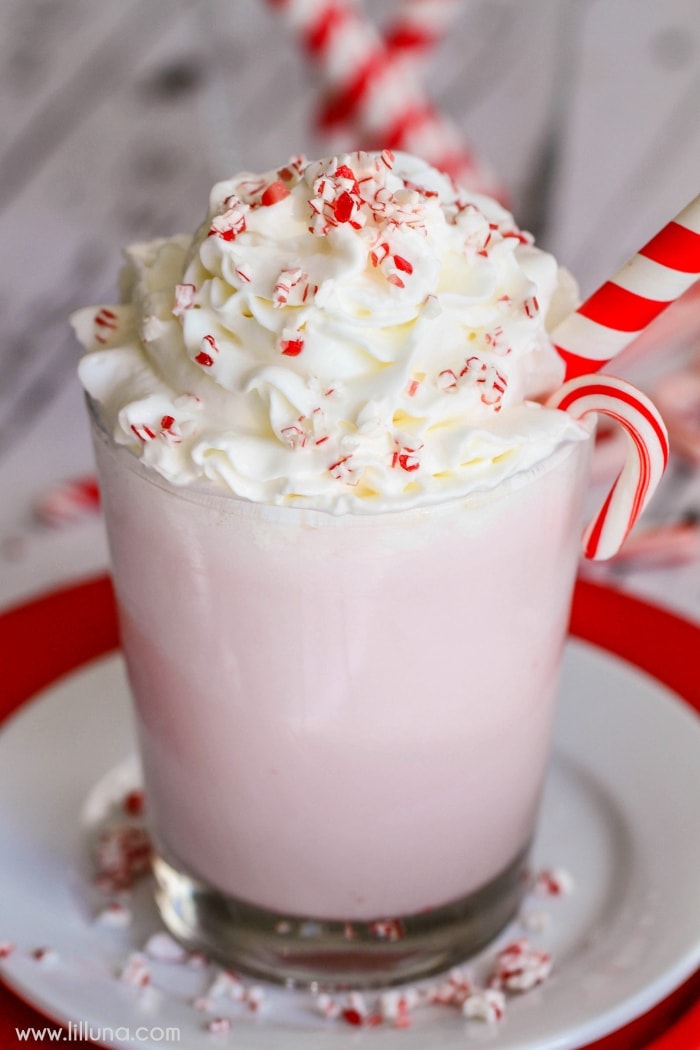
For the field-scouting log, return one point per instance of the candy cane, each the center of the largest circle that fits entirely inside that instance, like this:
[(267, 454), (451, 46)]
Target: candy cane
[(69, 502), (623, 307), (419, 26), (372, 89), (645, 464)]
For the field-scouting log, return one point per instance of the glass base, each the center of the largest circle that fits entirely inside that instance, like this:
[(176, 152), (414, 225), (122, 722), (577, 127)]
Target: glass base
[(335, 955)]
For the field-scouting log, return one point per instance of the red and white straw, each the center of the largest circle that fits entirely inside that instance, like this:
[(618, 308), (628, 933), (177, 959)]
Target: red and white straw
[(623, 307), (373, 90), (646, 459)]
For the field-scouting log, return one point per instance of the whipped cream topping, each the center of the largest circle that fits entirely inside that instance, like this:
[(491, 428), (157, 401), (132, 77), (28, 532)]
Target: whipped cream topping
[(353, 334)]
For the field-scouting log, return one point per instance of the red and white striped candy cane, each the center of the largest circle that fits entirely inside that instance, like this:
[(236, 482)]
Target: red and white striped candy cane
[(419, 26), (623, 307), (69, 502), (373, 90), (646, 459)]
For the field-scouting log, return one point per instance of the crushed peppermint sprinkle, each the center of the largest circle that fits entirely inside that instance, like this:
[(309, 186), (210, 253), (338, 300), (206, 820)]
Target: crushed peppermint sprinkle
[(255, 998), (337, 200), (406, 457), (184, 299), (293, 169), (45, 956), (488, 1005), (204, 358), (291, 344), (134, 801), (292, 288), (396, 1006), (161, 947), (341, 469), (106, 321), (122, 855), (231, 223), (294, 436), (447, 381), (6, 949), (519, 967), (135, 972), (143, 432), (273, 193), (357, 1012), (492, 381), (219, 1025), (229, 984), (327, 1006), (531, 306), (552, 882)]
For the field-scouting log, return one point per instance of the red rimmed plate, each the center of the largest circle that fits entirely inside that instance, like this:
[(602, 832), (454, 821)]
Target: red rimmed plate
[(58, 634)]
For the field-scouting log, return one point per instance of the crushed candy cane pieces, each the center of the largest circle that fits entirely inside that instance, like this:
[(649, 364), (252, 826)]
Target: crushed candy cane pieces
[(123, 855), (488, 1005), (552, 882), (135, 973), (519, 967), (161, 947), (218, 1025), (227, 983), (134, 801)]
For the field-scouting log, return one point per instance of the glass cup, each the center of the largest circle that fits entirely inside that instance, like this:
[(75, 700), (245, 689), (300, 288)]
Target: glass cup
[(344, 721)]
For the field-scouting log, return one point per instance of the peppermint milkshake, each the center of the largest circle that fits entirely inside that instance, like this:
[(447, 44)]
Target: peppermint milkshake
[(344, 531)]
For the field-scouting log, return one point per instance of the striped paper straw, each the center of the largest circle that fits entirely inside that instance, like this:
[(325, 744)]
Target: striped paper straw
[(374, 91), (623, 307), (646, 460)]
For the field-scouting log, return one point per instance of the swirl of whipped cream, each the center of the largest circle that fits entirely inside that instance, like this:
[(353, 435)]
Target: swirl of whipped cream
[(353, 334)]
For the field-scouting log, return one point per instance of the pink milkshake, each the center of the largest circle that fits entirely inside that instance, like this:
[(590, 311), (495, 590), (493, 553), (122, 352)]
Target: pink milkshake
[(344, 534)]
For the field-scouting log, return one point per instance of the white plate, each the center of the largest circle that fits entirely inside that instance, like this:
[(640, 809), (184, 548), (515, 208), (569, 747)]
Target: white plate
[(620, 813)]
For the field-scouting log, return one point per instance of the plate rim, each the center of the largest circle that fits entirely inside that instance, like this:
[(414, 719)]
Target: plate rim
[(609, 620)]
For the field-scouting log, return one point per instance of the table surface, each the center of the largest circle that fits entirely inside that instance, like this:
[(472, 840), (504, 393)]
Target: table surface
[(118, 116)]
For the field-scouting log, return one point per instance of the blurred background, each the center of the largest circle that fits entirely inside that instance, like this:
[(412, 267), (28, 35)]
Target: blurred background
[(118, 115)]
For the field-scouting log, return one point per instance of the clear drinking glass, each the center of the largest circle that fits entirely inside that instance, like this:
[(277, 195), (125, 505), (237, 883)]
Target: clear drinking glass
[(344, 721)]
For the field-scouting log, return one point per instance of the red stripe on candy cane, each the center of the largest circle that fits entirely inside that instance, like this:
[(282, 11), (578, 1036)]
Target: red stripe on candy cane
[(626, 304), (343, 105), (594, 536), (69, 502), (419, 25), (330, 19), (618, 390), (675, 247), (645, 464)]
